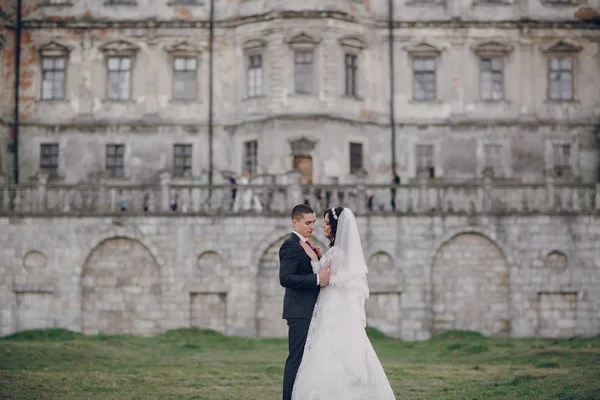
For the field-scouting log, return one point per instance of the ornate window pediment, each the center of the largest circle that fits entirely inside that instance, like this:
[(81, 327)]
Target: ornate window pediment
[(119, 47), (561, 46), (254, 45), (53, 49), (492, 48), (302, 146), (183, 48), (423, 49), (352, 44), (302, 41)]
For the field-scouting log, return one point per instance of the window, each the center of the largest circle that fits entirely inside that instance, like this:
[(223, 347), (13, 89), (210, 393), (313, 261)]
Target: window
[(424, 159), (49, 159), (119, 78), (351, 65), (356, 157), (560, 77), (424, 85), (53, 78), (115, 162), (184, 78), (303, 71), (562, 160), (491, 82), (251, 156), (493, 158), (182, 160), (255, 75)]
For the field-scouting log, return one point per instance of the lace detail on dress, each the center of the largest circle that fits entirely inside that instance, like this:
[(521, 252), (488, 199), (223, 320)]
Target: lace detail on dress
[(339, 361)]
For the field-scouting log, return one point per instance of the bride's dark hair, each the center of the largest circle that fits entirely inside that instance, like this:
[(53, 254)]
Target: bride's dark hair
[(333, 222)]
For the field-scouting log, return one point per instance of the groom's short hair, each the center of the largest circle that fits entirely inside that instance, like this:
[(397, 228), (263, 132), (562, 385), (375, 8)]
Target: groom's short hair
[(299, 211)]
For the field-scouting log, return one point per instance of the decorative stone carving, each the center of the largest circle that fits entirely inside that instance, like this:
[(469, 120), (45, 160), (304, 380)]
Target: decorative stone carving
[(34, 260), (119, 47), (562, 46), (302, 146), (556, 261), (53, 49), (423, 49), (492, 48)]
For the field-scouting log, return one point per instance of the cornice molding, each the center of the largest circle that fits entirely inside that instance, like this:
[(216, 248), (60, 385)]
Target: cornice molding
[(232, 22)]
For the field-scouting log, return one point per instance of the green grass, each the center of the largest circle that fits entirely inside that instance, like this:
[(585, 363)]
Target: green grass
[(199, 364)]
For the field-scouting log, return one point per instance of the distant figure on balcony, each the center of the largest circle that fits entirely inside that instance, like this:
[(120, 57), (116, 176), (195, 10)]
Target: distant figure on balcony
[(246, 201), (122, 201), (395, 182)]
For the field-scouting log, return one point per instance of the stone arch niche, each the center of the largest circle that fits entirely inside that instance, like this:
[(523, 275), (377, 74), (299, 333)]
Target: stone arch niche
[(270, 293), (121, 290), (470, 286), (383, 304), (208, 307)]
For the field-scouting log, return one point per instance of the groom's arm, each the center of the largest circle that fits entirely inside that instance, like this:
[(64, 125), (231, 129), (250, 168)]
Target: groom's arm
[(287, 271)]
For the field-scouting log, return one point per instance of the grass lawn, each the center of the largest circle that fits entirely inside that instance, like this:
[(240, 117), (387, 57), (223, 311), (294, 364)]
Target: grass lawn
[(195, 364)]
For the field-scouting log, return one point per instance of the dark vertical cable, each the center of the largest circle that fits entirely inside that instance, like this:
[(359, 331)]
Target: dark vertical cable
[(15, 146), (392, 102), (210, 90)]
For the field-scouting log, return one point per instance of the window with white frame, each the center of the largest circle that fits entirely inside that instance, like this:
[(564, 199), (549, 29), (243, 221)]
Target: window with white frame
[(54, 71), (303, 72), (424, 78), (491, 78), (53, 77), (255, 75), (560, 77), (49, 159), (251, 157), (118, 79), (119, 69), (492, 61), (561, 157), (185, 75), (562, 61), (425, 165)]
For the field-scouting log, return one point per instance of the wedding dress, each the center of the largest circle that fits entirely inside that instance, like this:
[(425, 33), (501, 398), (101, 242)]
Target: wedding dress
[(339, 362)]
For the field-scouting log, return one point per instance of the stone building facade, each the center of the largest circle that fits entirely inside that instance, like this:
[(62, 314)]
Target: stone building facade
[(122, 88), (508, 275), (494, 105)]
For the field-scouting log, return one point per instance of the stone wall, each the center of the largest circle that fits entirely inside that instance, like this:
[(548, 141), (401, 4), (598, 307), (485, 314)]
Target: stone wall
[(511, 275)]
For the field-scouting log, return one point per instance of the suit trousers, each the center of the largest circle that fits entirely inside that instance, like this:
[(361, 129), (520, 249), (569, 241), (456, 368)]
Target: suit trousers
[(297, 333)]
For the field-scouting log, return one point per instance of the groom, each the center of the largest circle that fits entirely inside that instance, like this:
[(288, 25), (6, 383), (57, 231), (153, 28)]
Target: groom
[(301, 290)]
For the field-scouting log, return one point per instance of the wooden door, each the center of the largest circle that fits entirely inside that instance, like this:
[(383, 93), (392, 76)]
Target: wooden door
[(304, 164)]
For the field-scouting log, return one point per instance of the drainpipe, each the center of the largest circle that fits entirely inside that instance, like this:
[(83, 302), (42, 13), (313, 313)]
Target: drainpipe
[(210, 90), (15, 144), (392, 100)]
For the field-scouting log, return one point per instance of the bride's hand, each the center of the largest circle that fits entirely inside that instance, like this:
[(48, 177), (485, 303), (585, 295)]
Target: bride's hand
[(319, 251), (310, 252)]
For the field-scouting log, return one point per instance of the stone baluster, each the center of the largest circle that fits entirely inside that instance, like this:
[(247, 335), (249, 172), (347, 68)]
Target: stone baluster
[(550, 194), (294, 189), (423, 195), (102, 196), (42, 179), (165, 183)]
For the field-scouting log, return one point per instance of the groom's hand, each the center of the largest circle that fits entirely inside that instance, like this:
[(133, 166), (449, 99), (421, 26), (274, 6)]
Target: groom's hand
[(324, 276)]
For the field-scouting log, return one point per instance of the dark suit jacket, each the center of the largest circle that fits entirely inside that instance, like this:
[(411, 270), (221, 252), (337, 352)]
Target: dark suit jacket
[(298, 279)]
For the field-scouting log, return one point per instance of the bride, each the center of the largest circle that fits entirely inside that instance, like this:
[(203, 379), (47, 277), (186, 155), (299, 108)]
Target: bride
[(339, 361)]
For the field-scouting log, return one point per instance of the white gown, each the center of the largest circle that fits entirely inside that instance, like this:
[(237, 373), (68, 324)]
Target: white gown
[(339, 362)]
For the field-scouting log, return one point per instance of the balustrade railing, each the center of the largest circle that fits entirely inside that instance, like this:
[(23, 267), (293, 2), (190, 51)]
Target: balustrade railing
[(174, 198)]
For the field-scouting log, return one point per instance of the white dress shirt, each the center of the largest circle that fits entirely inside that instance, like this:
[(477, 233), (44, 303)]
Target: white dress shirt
[(303, 239)]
